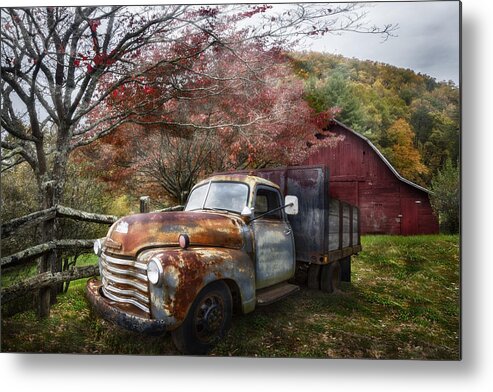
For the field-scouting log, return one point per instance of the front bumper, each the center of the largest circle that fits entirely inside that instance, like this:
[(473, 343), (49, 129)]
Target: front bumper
[(105, 307)]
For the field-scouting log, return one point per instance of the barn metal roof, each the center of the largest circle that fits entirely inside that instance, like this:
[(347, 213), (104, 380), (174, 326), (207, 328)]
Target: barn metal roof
[(382, 157)]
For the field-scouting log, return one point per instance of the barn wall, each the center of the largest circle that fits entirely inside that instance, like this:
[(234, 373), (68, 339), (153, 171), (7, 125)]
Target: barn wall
[(418, 215), (359, 176)]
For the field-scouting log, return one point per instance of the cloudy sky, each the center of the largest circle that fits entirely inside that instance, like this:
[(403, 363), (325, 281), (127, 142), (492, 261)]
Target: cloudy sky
[(427, 39)]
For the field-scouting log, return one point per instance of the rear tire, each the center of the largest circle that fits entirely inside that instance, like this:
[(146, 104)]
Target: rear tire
[(313, 279), (346, 269), (330, 277), (207, 322)]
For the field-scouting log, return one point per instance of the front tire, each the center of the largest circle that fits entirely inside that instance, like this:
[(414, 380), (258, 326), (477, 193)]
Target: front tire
[(207, 322)]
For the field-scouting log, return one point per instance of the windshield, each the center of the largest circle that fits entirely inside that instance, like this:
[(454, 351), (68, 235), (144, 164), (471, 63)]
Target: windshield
[(230, 196)]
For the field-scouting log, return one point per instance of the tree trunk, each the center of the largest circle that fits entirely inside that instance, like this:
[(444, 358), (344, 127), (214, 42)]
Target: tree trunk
[(47, 262), (52, 192)]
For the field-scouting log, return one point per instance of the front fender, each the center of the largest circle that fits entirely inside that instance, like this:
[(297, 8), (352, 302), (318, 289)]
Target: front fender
[(187, 271)]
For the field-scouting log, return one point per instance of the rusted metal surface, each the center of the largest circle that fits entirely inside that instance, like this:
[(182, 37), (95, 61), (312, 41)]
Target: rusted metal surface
[(140, 231), (125, 316), (310, 185), (187, 271), (220, 248)]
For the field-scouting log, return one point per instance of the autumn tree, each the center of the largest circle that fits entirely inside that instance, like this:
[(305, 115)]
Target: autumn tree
[(176, 163), (264, 121), (52, 61), (402, 153), (58, 65), (436, 120)]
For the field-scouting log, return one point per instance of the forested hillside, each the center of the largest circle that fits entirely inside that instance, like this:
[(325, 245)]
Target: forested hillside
[(412, 118)]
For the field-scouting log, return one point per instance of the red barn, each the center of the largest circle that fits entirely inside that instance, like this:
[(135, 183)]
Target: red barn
[(360, 175)]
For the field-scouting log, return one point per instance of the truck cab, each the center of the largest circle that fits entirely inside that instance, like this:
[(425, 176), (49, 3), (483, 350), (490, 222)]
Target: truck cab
[(261, 207)]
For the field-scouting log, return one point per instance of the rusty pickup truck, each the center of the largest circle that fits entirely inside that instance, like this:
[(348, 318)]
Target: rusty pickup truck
[(237, 244)]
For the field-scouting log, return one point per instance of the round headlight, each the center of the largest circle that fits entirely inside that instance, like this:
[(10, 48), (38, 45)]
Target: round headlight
[(98, 248), (154, 271), (184, 241)]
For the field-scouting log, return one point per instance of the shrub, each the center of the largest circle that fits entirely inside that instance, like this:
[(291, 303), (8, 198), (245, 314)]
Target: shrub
[(445, 199)]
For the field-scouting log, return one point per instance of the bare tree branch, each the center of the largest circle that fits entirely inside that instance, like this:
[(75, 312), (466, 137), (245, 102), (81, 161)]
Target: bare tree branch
[(62, 65)]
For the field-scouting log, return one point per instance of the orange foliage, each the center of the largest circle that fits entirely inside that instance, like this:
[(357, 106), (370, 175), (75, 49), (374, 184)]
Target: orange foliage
[(402, 153)]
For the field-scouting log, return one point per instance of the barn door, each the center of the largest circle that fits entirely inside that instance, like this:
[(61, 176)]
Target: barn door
[(375, 219), (409, 220)]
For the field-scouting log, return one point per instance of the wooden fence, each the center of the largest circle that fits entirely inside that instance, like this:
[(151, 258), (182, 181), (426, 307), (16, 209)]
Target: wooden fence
[(52, 278)]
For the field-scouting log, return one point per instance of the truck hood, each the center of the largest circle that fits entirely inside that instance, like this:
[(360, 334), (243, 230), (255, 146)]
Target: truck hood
[(133, 233)]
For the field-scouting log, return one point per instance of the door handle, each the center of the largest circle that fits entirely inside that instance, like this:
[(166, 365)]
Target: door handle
[(287, 231)]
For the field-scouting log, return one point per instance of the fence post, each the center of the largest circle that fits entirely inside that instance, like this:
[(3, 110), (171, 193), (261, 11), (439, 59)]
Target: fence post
[(44, 294), (145, 202), (47, 254), (47, 261)]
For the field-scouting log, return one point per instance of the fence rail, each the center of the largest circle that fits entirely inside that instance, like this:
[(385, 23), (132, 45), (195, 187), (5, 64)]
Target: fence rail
[(41, 249), (46, 279), (58, 211), (50, 278)]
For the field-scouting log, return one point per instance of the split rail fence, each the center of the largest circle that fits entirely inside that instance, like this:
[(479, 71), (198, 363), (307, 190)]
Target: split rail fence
[(53, 277)]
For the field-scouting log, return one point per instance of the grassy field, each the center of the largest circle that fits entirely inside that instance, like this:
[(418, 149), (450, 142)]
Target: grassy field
[(403, 303)]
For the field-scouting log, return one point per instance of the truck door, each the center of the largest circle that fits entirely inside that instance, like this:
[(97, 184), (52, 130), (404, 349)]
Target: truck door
[(274, 243)]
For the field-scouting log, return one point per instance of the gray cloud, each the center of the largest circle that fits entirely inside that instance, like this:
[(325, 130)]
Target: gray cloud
[(427, 39)]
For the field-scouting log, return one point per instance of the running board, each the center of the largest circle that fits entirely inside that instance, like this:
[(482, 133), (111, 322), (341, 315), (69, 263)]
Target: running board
[(274, 293)]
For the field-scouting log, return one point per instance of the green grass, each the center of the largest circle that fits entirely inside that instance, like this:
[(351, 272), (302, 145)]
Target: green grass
[(22, 272), (402, 303)]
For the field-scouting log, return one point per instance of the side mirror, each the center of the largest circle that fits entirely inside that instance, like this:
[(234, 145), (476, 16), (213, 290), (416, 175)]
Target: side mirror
[(291, 203), (247, 212)]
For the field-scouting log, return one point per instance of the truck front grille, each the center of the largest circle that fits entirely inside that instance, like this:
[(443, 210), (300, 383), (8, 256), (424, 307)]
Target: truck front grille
[(125, 281)]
